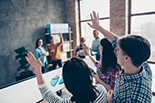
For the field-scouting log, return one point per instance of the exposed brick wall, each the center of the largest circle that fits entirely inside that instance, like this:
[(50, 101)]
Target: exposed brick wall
[(118, 17), (73, 20)]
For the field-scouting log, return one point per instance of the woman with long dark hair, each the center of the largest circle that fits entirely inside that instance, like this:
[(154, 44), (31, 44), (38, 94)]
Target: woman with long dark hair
[(108, 69), (77, 79), (40, 53)]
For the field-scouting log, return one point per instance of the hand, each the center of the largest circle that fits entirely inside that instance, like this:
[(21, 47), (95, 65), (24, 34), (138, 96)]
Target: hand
[(110, 96), (95, 21), (52, 51), (95, 76), (35, 63), (60, 34), (78, 53)]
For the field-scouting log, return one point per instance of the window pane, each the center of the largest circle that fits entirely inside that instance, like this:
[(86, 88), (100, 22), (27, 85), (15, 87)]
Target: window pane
[(145, 25), (87, 32), (100, 6), (139, 6)]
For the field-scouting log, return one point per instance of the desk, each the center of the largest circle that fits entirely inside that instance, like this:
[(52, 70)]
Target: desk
[(90, 63), (27, 91)]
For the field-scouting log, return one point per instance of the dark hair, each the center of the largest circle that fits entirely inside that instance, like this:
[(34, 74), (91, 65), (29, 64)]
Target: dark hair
[(108, 57), (51, 37), (94, 31), (136, 47), (82, 39), (78, 81), (37, 42)]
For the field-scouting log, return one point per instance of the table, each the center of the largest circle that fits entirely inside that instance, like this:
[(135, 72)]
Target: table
[(27, 91)]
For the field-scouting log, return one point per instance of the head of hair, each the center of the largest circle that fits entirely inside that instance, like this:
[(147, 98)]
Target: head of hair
[(94, 31), (108, 57), (78, 80), (51, 37), (82, 39), (136, 47), (37, 42)]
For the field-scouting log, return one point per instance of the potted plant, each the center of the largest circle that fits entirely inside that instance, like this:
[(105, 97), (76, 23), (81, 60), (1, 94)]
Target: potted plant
[(24, 65)]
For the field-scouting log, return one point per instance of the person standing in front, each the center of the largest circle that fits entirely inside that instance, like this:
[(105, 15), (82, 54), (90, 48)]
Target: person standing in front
[(95, 44), (40, 53), (55, 51)]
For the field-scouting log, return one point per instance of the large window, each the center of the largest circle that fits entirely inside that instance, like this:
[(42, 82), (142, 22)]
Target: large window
[(86, 7), (142, 17)]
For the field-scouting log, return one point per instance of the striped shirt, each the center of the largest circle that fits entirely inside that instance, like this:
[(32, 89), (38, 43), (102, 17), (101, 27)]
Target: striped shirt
[(135, 88), (50, 97)]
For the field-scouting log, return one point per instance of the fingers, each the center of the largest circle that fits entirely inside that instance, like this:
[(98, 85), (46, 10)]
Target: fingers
[(90, 25), (91, 16), (94, 14)]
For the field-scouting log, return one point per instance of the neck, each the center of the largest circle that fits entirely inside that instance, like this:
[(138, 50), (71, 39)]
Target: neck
[(132, 69), (39, 46), (97, 38)]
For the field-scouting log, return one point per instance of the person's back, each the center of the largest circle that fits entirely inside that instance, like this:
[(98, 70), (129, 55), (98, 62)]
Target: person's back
[(134, 88)]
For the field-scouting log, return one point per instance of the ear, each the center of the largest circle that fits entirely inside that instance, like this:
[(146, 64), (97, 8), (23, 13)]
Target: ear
[(127, 58)]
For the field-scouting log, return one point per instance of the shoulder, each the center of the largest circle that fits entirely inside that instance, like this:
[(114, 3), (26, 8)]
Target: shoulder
[(37, 50), (100, 88)]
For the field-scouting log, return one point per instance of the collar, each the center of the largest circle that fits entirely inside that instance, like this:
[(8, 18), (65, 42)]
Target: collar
[(130, 77)]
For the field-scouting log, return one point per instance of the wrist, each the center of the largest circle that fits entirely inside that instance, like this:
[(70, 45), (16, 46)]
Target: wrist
[(99, 28)]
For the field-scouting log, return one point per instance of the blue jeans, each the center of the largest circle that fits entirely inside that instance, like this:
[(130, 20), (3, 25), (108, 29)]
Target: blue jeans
[(98, 56), (59, 62), (43, 69)]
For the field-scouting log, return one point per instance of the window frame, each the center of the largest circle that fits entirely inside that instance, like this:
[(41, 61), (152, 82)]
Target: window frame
[(81, 21), (136, 14)]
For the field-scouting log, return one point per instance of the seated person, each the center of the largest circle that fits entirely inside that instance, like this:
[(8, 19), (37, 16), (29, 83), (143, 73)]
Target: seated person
[(77, 79), (81, 49)]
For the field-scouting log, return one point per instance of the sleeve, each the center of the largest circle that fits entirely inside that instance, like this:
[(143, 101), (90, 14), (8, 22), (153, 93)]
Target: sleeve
[(49, 96), (114, 42), (77, 49), (61, 41), (101, 88), (113, 78), (36, 54)]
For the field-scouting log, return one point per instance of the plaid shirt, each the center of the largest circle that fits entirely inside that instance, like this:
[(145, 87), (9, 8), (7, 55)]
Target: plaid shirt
[(134, 88), (109, 77)]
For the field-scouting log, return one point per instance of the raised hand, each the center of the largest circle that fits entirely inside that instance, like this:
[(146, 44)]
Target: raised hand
[(95, 20), (60, 34), (32, 60)]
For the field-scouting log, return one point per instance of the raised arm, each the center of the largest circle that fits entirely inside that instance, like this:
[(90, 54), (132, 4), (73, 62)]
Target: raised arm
[(61, 39), (88, 53), (37, 67), (96, 25)]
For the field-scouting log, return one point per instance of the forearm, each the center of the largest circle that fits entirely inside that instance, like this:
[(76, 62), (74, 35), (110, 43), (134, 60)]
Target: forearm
[(39, 76), (92, 59), (42, 56), (109, 35), (108, 87), (61, 41)]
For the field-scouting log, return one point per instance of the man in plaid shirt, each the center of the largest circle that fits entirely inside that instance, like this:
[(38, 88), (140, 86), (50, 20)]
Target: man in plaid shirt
[(135, 81)]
